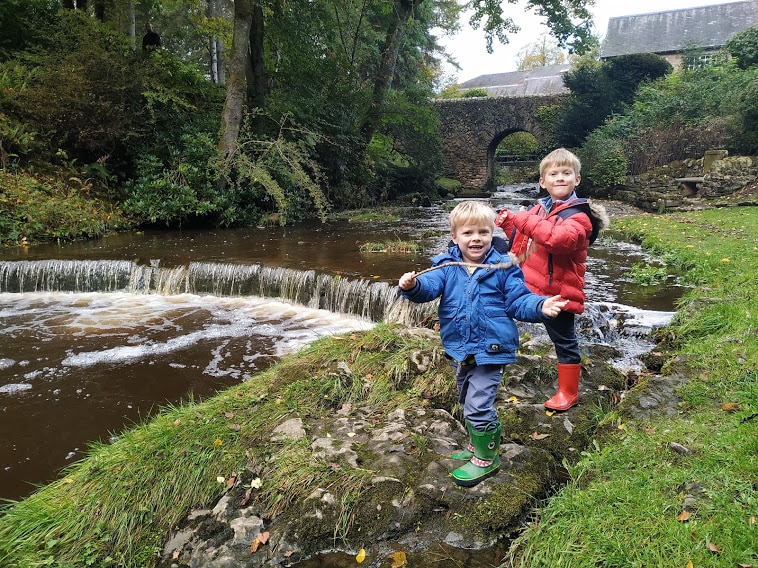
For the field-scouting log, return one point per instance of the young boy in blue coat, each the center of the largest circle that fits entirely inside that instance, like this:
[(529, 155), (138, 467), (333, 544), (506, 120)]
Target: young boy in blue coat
[(481, 292)]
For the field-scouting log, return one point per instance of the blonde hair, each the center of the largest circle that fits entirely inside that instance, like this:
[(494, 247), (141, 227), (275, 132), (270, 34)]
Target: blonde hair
[(471, 212), (560, 157)]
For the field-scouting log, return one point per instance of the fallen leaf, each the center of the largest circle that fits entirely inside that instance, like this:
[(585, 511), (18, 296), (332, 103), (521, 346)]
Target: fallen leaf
[(731, 407), (235, 427), (177, 421), (221, 479), (713, 548), (751, 520), (550, 412), (352, 337), (246, 498), (361, 556), (175, 555), (684, 516), (351, 434), (741, 565), (231, 481), (536, 436), (288, 553), (229, 415), (512, 399), (690, 564), (398, 559), (649, 430), (259, 540), (369, 376), (621, 426)]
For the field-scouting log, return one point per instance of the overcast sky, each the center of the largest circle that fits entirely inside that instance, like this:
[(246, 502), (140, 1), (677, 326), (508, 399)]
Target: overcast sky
[(470, 50)]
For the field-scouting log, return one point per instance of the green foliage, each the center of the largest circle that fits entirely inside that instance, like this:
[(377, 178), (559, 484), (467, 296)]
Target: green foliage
[(743, 47), (517, 144), (272, 178), (448, 186), (647, 274), (32, 211), (603, 161), (684, 114), (474, 92), (600, 89), (22, 23), (173, 191)]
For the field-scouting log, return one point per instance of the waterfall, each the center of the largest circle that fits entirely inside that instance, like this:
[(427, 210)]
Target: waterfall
[(371, 300)]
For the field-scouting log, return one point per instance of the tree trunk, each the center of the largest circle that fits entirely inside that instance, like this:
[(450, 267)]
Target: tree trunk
[(256, 70), (390, 49), (231, 118)]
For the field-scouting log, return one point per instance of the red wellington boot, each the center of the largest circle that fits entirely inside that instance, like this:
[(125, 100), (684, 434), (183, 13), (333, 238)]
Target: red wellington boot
[(568, 387)]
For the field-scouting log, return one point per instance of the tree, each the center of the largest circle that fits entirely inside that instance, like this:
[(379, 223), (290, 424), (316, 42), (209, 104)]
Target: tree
[(231, 118), (542, 53), (598, 89), (743, 47), (559, 18)]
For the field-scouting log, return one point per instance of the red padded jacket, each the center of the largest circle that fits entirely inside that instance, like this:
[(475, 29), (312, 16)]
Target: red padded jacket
[(558, 262)]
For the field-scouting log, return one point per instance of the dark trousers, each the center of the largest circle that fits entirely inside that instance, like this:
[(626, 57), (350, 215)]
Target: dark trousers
[(562, 332), (477, 388)]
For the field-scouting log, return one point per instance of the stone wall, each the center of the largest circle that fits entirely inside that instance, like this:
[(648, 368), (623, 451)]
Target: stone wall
[(659, 190), (470, 130)]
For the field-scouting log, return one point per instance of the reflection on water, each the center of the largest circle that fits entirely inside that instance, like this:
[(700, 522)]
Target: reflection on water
[(76, 367)]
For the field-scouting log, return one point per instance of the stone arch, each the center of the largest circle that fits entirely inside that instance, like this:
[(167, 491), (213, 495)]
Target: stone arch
[(470, 130)]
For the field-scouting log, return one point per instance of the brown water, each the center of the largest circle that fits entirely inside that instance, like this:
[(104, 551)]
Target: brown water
[(77, 367)]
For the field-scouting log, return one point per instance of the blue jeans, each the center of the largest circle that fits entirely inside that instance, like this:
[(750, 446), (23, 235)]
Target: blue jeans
[(477, 388), (562, 332)]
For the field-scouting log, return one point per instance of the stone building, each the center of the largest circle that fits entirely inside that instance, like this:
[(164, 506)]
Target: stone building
[(672, 34)]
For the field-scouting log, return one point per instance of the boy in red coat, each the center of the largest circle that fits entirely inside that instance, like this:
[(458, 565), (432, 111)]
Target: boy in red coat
[(557, 263)]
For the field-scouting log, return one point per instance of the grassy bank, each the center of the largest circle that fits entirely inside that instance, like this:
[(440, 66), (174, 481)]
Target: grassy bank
[(635, 500), (624, 507)]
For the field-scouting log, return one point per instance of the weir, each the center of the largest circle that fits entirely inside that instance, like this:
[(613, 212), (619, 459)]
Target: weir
[(371, 300)]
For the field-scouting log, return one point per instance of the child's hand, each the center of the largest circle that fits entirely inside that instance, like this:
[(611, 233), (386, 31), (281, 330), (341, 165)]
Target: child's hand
[(553, 306), (407, 281), (502, 217)]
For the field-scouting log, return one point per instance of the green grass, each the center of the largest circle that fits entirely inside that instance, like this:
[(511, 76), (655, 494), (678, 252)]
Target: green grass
[(622, 506), (396, 246)]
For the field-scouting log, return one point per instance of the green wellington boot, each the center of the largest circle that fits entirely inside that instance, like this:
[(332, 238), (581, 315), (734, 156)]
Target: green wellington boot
[(486, 459), (468, 452)]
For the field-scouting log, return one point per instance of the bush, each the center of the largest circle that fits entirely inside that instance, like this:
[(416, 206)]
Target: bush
[(604, 164), (743, 47), (477, 92)]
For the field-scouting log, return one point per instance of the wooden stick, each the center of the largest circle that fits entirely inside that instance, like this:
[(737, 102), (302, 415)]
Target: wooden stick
[(515, 260)]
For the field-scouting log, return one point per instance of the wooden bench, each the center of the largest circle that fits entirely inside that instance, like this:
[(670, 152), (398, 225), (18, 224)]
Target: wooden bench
[(689, 185)]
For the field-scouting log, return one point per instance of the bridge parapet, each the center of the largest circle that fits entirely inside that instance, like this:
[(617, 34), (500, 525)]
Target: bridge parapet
[(471, 129)]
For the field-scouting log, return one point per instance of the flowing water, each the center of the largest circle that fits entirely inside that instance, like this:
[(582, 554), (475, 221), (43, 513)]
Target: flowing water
[(97, 335)]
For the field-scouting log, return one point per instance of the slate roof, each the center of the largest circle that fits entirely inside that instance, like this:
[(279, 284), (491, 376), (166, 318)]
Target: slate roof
[(546, 80), (703, 27)]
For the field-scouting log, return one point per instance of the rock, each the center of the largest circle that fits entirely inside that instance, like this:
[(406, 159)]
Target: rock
[(400, 456)]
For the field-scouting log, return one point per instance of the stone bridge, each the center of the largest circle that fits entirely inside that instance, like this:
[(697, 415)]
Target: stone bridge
[(470, 130)]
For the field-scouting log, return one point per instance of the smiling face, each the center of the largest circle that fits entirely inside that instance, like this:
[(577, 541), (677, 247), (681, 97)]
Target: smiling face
[(559, 173), (473, 239)]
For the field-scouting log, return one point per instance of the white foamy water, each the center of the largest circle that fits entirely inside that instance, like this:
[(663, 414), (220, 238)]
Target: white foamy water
[(54, 332)]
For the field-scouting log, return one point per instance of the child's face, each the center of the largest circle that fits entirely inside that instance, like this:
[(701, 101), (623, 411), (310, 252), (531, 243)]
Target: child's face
[(559, 181), (474, 241)]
